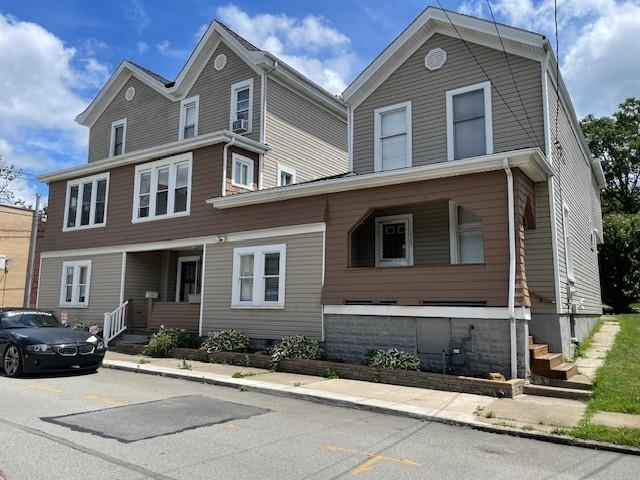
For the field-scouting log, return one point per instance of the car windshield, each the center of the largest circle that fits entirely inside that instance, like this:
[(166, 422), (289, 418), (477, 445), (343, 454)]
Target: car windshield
[(23, 319)]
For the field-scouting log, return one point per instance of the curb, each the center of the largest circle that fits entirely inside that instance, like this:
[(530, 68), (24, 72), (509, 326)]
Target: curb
[(360, 403)]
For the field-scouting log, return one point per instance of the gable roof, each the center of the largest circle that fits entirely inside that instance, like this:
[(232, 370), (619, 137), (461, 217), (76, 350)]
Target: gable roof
[(436, 20), (259, 60)]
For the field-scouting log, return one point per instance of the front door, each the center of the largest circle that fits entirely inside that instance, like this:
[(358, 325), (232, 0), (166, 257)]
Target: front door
[(188, 280)]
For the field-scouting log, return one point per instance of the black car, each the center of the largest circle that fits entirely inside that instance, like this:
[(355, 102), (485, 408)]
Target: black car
[(33, 341)]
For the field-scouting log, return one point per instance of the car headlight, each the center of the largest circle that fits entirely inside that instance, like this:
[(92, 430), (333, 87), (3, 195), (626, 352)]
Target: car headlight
[(100, 346), (40, 348)]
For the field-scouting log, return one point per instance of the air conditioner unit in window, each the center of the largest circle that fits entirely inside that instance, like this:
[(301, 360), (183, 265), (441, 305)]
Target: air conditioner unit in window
[(240, 126)]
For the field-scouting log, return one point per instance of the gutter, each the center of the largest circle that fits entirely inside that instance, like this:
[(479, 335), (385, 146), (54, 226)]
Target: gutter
[(156, 152), (530, 160), (512, 272), (224, 165)]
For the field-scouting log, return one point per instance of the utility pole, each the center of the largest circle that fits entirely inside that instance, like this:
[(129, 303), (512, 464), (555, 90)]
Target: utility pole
[(32, 253)]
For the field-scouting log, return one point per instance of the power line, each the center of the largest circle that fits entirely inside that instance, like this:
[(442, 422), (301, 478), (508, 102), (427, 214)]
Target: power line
[(515, 84), (486, 74)]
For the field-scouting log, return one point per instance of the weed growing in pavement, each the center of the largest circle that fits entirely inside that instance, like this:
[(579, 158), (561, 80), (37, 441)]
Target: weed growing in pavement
[(330, 374), (142, 361), (243, 375), (184, 365)]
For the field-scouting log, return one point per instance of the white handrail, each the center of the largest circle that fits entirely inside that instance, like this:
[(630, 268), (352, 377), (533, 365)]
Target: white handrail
[(114, 323)]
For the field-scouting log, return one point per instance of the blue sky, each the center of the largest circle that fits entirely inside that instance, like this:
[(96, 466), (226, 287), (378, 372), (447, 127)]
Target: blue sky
[(54, 56)]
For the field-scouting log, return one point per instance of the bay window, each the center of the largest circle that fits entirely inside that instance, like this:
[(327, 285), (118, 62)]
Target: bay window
[(86, 202), (74, 287), (163, 188), (259, 276), (394, 241), (392, 131), (242, 171), (466, 235)]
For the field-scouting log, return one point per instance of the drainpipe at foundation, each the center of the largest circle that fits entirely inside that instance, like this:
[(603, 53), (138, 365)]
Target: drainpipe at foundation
[(224, 165), (512, 272)]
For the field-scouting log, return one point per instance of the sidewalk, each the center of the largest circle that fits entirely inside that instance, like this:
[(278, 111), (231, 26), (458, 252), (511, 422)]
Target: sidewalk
[(526, 415), (595, 355)]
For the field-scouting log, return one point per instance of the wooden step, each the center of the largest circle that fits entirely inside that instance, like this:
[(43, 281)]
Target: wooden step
[(547, 361), (537, 350), (531, 342), (564, 371)]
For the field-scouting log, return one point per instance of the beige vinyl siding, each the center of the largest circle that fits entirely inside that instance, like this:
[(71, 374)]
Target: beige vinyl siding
[(302, 313), (302, 135), (539, 255), (104, 288), (153, 119), (143, 273), (574, 185), (427, 92)]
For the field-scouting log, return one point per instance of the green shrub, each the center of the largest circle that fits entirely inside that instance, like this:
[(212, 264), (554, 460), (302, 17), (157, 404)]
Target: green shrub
[(394, 359), (297, 346), (225, 341), (165, 340), (620, 261)]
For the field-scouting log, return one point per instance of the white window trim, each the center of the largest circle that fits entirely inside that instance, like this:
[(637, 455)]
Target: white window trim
[(237, 158), (454, 239), (258, 272), (234, 103), (183, 116), (380, 222), (488, 116), (182, 260), (112, 142), (568, 249), (94, 192), (377, 129), (284, 168), (171, 162), (76, 269)]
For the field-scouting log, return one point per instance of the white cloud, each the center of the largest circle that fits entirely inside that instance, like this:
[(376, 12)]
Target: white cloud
[(136, 13), (167, 50), (598, 44), (142, 47), (310, 44)]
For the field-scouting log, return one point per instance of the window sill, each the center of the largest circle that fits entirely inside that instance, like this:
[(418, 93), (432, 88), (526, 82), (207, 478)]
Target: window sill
[(83, 227), (257, 307), (73, 306), (424, 267), (160, 217), (239, 185)]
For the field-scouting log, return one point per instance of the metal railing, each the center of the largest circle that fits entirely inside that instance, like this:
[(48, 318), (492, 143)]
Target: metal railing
[(115, 323)]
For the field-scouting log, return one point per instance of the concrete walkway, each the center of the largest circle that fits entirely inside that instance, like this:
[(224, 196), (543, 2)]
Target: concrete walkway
[(595, 355)]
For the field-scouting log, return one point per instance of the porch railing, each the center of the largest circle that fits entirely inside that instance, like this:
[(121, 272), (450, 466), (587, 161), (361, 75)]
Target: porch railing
[(115, 323)]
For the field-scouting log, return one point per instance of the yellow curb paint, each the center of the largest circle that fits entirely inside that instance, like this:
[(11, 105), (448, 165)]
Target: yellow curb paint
[(229, 426), (42, 388), (105, 400), (373, 458)]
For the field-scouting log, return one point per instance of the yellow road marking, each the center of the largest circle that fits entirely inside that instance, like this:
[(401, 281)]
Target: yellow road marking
[(229, 426), (373, 458), (105, 400), (42, 388)]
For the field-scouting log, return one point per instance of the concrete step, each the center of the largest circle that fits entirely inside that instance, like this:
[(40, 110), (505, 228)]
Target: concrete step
[(577, 382), (557, 392), (538, 350)]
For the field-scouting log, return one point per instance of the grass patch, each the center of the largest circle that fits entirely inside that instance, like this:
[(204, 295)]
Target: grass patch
[(616, 387)]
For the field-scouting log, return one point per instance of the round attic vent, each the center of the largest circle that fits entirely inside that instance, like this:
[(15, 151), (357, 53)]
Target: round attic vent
[(220, 61), (435, 59), (131, 92)]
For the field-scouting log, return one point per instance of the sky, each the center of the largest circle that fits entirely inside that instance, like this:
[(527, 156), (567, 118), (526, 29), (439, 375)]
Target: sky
[(55, 56)]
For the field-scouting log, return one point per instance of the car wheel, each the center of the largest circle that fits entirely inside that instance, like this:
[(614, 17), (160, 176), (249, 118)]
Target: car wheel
[(12, 361)]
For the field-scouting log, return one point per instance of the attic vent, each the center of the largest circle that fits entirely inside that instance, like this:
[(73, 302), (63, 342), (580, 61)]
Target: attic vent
[(130, 93), (435, 59), (220, 61)]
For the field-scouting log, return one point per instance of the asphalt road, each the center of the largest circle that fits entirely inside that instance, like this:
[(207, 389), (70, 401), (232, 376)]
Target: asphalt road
[(158, 428)]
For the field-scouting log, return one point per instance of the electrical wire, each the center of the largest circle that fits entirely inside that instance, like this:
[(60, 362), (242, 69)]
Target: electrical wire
[(486, 74)]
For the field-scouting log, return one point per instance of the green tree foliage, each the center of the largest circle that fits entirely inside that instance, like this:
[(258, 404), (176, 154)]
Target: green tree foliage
[(8, 173), (617, 141), (620, 260)]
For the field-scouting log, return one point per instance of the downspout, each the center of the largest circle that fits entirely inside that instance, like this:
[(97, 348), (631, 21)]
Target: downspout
[(224, 164), (512, 272)]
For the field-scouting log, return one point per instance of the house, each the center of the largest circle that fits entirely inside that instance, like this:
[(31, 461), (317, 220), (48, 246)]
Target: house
[(467, 223), (15, 239)]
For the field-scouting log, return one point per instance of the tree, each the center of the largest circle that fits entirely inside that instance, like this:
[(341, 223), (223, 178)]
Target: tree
[(8, 173), (617, 141)]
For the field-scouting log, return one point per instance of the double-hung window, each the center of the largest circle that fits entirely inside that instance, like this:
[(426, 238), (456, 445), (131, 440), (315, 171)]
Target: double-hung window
[(259, 276), (86, 202), (394, 241), (466, 235), (118, 137), (568, 248), (74, 287), (242, 103), (286, 175), (189, 109), (392, 131), (163, 189), (469, 121), (242, 171)]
